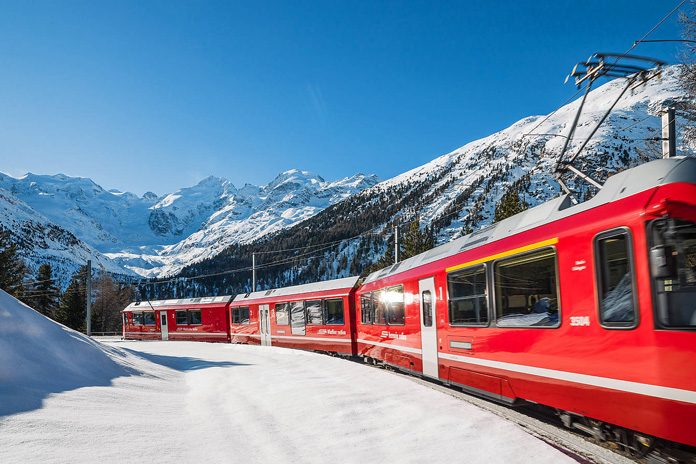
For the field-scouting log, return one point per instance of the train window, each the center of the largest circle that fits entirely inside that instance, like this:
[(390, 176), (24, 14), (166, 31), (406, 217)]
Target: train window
[(333, 312), (315, 314), (427, 308), (297, 317), (467, 297), (190, 317), (366, 309), (379, 306), (149, 318), (673, 268), (194, 317), (137, 318), (282, 314), (615, 279), (394, 298), (526, 290), (181, 318), (240, 315)]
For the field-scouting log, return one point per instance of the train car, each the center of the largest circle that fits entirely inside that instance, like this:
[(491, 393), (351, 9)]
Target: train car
[(319, 316), (191, 319), (587, 308)]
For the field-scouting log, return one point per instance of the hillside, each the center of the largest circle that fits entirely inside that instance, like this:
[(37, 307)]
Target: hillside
[(456, 192)]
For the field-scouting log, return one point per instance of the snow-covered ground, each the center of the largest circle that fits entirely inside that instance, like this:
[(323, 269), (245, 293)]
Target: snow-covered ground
[(68, 399), (200, 402)]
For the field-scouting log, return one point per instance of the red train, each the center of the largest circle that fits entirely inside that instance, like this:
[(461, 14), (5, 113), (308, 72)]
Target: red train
[(191, 319), (589, 309), (318, 316)]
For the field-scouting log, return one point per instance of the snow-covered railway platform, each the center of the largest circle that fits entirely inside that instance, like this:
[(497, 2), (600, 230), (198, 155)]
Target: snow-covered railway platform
[(197, 402)]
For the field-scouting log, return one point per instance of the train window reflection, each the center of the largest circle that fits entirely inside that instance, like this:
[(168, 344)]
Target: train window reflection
[(675, 287), (281, 313), (380, 308), (314, 312), (467, 297), (526, 291), (297, 317), (394, 299), (333, 312), (149, 318), (615, 280), (366, 309), (240, 315)]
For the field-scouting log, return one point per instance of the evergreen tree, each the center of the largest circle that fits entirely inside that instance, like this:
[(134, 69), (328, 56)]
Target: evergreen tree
[(509, 205), (12, 268), (415, 241), (71, 311), (44, 295), (110, 298)]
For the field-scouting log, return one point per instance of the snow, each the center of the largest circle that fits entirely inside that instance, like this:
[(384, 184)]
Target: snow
[(155, 236), (69, 399), (39, 357)]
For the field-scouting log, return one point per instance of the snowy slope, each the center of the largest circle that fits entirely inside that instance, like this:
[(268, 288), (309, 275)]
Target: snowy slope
[(488, 167), (214, 403), (39, 357), (158, 235)]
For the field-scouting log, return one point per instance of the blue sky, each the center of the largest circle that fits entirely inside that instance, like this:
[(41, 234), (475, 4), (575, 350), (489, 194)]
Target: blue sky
[(156, 95)]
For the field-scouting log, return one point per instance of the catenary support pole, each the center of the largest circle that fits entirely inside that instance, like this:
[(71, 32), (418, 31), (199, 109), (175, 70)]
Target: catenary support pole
[(396, 244), (253, 272), (669, 137), (88, 315)]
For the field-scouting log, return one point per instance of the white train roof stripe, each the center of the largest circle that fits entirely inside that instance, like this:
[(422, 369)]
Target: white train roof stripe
[(150, 305), (336, 284)]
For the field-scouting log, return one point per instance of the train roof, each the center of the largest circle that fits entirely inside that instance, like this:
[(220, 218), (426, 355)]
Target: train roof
[(618, 186), (335, 284), (145, 305)]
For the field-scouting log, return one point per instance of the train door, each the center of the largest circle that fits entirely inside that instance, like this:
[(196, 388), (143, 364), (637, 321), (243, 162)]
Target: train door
[(164, 327), (125, 324), (265, 325), (428, 320)]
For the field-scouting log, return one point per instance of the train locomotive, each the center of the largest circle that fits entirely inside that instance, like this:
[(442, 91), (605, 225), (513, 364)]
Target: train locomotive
[(588, 309)]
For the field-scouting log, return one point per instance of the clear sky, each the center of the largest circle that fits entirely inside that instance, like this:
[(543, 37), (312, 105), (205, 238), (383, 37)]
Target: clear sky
[(156, 95)]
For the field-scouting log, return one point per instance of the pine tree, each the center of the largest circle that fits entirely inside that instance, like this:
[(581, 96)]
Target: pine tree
[(110, 298), (12, 268), (509, 205), (71, 311), (416, 241), (44, 295)]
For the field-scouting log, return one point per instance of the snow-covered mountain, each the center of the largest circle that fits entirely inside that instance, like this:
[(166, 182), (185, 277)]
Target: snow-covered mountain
[(40, 240), (457, 193), (156, 236)]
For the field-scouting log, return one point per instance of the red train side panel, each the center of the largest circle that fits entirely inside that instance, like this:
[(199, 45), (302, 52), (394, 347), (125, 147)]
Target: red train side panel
[(192, 319), (318, 316)]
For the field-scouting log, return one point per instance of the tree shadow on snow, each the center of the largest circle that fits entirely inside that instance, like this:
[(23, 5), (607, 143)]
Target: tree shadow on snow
[(182, 363)]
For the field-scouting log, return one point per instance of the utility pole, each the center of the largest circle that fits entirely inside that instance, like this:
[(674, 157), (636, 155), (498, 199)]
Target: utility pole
[(669, 138), (88, 316), (396, 244), (253, 272)]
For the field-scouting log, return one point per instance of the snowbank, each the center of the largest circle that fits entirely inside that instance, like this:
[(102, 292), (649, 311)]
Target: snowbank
[(39, 356)]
